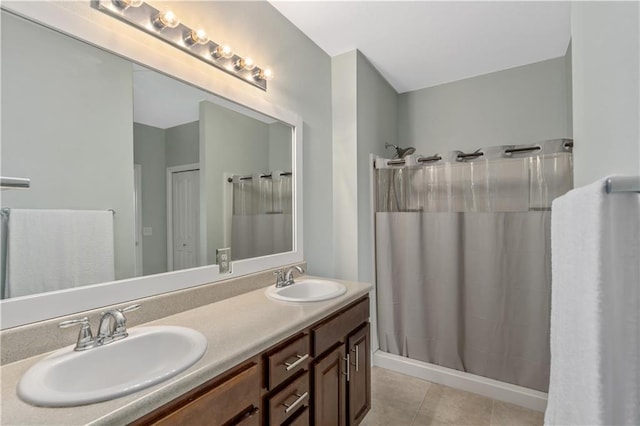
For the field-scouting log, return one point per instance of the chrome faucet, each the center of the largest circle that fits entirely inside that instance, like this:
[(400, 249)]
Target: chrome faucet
[(112, 327), (288, 276), (284, 279)]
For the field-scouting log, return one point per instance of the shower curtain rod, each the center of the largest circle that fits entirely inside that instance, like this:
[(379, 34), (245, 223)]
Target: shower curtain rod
[(622, 184), (465, 155), (5, 211), (267, 176)]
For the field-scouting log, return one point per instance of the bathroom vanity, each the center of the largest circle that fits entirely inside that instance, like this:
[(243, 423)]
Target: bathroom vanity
[(274, 386), (268, 363)]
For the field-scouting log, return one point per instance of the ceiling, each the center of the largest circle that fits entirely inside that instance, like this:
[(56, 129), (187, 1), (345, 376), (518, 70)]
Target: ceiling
[(418, 44)]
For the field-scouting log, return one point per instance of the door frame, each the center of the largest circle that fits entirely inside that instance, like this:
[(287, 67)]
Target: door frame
[(170, 171)]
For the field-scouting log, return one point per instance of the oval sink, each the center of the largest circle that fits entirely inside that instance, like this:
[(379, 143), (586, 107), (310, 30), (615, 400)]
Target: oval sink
[(149, 355), (307, 290)]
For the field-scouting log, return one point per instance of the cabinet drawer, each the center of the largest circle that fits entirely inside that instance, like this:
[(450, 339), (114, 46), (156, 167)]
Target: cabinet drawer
[(289, 400), (287, 360), (235, 396), (301, 419), (335, 329)]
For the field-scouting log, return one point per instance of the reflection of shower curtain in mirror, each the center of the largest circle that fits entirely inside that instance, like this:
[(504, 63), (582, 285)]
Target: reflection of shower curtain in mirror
[(463, 263), (262, 222)]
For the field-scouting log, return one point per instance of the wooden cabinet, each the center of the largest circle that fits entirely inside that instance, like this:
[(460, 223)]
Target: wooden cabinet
[(329, 389), (233, 398), (342, 374), (359, 374), (319, 376)]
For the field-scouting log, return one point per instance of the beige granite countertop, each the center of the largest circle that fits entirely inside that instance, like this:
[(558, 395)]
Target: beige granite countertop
[(236, 329)]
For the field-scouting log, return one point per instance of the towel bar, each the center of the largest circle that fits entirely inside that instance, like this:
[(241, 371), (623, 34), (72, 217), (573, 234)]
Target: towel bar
[(6, 210), (622, 184)]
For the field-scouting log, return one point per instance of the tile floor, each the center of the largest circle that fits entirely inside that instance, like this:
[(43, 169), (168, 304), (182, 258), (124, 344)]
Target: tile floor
[(399, 400)]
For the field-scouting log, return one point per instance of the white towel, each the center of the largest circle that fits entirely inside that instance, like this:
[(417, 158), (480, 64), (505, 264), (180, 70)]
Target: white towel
[(55, 249), (595, 309)]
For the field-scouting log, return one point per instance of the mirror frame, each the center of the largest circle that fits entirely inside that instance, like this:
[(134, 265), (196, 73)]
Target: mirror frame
[(81, 21)]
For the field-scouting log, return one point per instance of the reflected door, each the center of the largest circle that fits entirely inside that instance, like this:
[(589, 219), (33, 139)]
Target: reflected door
[(185, 218)]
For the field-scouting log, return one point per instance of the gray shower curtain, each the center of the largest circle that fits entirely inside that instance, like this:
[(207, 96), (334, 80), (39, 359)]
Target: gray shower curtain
[(463, 260), (262, 222)]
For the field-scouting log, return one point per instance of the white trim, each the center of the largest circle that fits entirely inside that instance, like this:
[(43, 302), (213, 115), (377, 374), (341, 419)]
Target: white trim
[(81, 21), (169, 187), (137, 179), (490, 388), (373, 305)]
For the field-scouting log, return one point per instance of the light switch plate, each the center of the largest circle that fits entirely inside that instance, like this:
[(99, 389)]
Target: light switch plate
[(223, 259), (147, 231)]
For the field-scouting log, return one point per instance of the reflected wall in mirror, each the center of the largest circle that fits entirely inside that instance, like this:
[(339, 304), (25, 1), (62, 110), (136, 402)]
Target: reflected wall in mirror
[(185, 172)]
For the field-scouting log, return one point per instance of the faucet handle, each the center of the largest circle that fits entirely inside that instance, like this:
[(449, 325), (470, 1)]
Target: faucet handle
[(279, 277), (120, 328), (130, 308), (85, 336)]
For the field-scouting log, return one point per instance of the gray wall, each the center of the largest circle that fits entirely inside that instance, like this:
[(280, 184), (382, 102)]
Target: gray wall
[(377, 124), (155, 150), (78, 154), (569, 77), (149, 151), (280, 147), (183, 144), (230, 142), (364, 118), (517, 106), (606, 89)]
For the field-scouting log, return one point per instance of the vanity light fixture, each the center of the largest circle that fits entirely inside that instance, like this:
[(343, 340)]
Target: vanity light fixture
[(165, 25), (196, 37)]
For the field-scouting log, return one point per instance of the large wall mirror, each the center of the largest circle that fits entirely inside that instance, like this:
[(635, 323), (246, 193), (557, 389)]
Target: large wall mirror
[(135, 176)]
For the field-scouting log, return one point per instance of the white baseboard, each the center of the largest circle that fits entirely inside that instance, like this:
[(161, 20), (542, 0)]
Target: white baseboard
[(490, 388)]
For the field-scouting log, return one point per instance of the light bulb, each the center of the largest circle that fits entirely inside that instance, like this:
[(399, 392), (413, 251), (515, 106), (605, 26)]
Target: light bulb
[(123, 4), (245, 64), (222, 52), (265, 74), (166, 19), (196, 37)]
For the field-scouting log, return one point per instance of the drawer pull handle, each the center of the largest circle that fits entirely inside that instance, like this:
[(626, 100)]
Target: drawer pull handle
[(348, 367), (248, 415), (356, 349), (291, 406), (291, 365)]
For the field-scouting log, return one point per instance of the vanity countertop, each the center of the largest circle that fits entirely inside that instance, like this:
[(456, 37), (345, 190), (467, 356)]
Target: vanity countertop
[(236, 329)]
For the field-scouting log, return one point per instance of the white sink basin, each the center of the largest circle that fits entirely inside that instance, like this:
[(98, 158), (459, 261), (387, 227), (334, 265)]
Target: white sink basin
[(149, 355), (307, 290)]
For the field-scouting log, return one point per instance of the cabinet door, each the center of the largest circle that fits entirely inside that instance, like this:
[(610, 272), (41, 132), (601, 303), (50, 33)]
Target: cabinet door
[(359, 386), (329, 400)]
